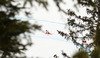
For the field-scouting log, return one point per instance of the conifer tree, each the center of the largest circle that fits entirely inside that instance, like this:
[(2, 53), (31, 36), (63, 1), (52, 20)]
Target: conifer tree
[(89, 23)]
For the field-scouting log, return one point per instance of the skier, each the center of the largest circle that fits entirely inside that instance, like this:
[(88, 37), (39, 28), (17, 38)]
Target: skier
[(47, 32)]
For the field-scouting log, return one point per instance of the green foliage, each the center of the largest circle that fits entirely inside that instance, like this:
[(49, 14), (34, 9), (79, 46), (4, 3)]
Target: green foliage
[(11, 29), (58, 2), (40, 2), (30, 1), (81, 54), (96, 53), (43, 2), (36, 27), (87, 2), (10, 41), (89, 23)]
